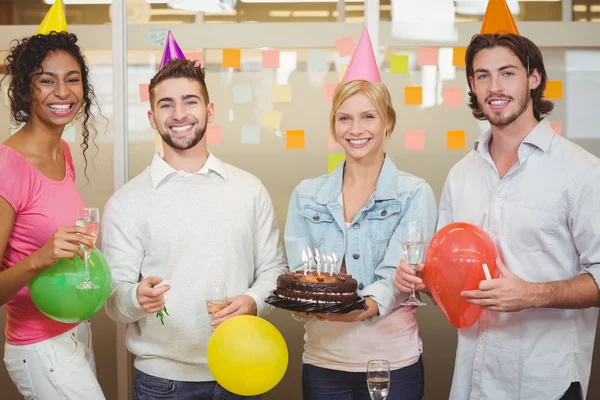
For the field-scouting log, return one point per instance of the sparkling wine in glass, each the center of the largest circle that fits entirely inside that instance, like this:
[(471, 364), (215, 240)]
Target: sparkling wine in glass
[(413, 246), (88, 218), (378, 379), (216, 298)]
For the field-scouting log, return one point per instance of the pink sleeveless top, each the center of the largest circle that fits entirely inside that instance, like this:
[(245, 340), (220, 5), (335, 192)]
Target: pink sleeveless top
[(41, 206)]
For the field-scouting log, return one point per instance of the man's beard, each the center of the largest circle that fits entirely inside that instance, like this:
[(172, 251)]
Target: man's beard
[(499, 119), (187, 142)]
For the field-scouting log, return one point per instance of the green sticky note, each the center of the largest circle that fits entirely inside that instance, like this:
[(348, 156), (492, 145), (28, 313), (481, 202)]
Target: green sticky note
[(334, 160), (399, 64)]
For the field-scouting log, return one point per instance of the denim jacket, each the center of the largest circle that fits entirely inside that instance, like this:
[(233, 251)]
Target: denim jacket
[(372, 245)]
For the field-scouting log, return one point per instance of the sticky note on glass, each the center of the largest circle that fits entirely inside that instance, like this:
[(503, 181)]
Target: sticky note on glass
[(232, 58), (414, 140), (333, 161), (158, 144), (454, 97), (331, 142), (282, 93), (194, 56), (554, 90), (328, 91), (272, 119), (456, 140), (144, 93), (342, 71), (214, 135), (317, 60), (345, 46), (251, 134), (428, 56), (242, 94), (294, 139), (157, 36), (556, 127), (270, 59), (458, 56), (399, 64), (413, 95)]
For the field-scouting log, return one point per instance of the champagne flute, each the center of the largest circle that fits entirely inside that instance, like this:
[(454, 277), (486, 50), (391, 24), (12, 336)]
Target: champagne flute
[(216, 298), (413, 245), (88, 218), (378, 379)]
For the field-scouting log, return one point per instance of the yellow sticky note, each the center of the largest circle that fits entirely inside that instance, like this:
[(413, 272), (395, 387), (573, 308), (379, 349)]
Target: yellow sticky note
[(456, 140), (458, 57), (399, 64), (272, 119), (413, 95), (294, 139), (282, 93), (158, 145), (554, 90), (232, 58), (334, 160), (343, 68)]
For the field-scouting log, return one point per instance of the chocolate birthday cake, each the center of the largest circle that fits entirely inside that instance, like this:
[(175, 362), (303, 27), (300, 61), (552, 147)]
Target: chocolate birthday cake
[(313, 287)]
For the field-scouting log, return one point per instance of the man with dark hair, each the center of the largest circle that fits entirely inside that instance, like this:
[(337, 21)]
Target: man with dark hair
[(190, 220), (538, 196)]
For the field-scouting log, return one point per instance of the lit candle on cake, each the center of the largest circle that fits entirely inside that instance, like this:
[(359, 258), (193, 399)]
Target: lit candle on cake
[(304, 261), (318, 260), (330, 259), (310, 260), (335, 260)]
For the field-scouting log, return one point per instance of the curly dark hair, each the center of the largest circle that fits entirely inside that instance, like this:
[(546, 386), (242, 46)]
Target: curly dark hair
[(179, 68), (531, 58), (25, 60)]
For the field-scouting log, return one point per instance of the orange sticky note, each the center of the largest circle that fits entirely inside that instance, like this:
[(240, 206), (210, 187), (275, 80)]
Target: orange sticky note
[(214, 135), (345, 46), (557, 127), (456, 140), (414, 140), (453, 97), (294, 139), (413, 95), (232, 58), (194, 56), (144, 93), (554, 90), (331, 142), (270, 59), (328, 91), (428, 56), (458, 56)]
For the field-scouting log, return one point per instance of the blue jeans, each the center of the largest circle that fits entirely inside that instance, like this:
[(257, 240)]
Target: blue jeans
[(407, 383), (148, 387)]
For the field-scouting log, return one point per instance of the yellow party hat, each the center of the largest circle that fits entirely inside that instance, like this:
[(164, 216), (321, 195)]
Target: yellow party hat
[(54, 20)]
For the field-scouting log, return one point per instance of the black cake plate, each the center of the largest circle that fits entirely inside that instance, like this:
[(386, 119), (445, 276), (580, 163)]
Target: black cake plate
[(317, 308)]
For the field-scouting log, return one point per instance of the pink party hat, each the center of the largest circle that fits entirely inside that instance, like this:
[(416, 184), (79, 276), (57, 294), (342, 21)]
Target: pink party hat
[(172, 51), (363, 65)]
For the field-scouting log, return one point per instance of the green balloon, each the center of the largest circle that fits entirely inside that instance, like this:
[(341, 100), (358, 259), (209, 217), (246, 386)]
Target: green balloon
[(55, 294)]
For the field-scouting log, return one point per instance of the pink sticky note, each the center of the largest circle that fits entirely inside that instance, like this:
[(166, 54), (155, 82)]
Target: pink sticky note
[(270, 59), (345, 46), (453, 97), (331, 142), (428, 56), (415, 140), (328, 91), (195, 56), (144, 94), (213, 135), (557, 127)]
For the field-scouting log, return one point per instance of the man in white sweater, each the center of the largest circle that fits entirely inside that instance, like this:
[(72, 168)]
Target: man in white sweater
[(187, 221)]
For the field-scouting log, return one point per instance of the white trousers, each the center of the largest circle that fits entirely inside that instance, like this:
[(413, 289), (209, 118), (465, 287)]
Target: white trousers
[(60, 368)]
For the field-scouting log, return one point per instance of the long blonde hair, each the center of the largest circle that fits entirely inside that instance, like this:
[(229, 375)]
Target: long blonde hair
[(375, 91)]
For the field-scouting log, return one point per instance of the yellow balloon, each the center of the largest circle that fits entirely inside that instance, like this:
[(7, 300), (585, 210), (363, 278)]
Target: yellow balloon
[(247, 355)]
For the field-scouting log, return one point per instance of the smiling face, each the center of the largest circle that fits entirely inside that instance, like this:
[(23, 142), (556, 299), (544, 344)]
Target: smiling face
[(180, 113), (57, 89), (502, 85)]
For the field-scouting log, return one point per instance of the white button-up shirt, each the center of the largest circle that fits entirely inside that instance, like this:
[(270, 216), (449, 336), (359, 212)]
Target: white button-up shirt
[(544, 216)]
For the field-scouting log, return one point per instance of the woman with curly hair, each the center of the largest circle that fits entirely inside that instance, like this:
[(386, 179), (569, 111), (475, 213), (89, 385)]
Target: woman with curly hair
[(49, 87)]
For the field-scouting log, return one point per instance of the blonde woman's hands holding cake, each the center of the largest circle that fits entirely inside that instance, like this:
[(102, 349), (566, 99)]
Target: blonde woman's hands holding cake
[(237, 305)]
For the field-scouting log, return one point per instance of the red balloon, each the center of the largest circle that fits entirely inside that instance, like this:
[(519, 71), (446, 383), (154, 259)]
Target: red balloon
[(454, 263)]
